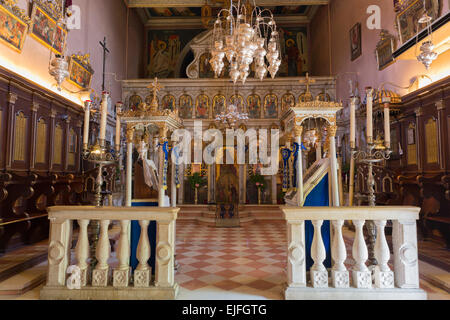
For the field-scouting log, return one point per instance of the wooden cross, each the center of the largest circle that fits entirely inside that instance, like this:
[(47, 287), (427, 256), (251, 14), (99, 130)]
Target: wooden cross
[(308, 82), (155, 87), (105, 50)]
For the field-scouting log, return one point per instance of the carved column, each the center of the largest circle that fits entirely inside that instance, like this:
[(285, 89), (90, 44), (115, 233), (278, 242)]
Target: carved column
[(66, 144), (33, 141), (296, 267), (441, 129), (173, 188), (165, 247), (162, 138), (406, 263), (241, 183), (52, 139), (298, 130), (333, 161), (181, 190), (129, 173), (79, 125), (11, 98), (58, 252), (420, 152), (274, 189)]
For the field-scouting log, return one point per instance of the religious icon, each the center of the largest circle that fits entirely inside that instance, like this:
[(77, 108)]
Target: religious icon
[(219, 104), (288, 101), (45, 30), (202, 107), (168, 103), (186, 106), (80, 72), (294, 52), (12, 29), (134, 102), (411, 11), (238, 101), (271, 106), (254, 106), (204, 67), (355, 41)]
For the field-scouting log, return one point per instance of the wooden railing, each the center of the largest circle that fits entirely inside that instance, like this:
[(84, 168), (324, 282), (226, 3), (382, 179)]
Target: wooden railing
[(105, 283), (358, 283)]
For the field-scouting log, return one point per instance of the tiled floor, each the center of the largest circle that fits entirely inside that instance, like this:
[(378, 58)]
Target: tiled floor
[(248, 260)]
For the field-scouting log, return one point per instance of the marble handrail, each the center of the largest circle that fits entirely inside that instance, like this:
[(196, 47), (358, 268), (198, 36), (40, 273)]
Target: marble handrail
[(103, 282), (358, 282)]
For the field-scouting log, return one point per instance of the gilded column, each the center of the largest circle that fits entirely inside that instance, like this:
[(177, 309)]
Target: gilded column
[(333, 163), (51, 144), (79, 125), (181, 191), (419, 133), (66, 144), (441, 127), (174, 188), (129, 173), (298, 130)]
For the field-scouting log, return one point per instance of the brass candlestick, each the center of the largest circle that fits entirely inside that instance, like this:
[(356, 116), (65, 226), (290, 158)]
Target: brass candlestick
[(376, 153)]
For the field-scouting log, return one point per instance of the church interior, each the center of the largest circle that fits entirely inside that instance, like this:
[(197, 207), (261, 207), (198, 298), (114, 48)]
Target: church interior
[(224, 150)]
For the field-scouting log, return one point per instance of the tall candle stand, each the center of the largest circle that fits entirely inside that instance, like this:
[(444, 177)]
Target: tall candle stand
[(375, 153)]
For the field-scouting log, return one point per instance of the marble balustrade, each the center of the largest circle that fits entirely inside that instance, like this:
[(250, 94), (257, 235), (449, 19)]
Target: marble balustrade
[(357, 282), (105, 282)]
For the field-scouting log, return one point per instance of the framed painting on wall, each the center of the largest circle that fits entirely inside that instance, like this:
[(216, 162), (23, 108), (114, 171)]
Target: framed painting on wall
[(385, 49), (355, 41), (13, 30), (80, 74), (45, 30), (408, 19)]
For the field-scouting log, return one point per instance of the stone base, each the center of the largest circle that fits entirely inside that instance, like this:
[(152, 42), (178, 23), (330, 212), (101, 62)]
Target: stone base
[(362, 279), (384, 279), (100, 278), (121, 278), (109, 293), (319, 279), (354, 294), (142, 278), (340, 279)]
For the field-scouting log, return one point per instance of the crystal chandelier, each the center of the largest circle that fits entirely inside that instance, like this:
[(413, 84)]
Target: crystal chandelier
[(241, 36), (427, 55), (231, 116)]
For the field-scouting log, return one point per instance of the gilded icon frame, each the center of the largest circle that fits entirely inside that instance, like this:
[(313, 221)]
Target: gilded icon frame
[(25, 32)]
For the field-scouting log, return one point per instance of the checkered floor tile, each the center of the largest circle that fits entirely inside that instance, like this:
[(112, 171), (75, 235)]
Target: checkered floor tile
[(248, 259)]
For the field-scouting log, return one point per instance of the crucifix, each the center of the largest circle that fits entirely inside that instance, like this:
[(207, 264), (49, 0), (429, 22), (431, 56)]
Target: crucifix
[(105, 50), (308, 82), (155, 86)]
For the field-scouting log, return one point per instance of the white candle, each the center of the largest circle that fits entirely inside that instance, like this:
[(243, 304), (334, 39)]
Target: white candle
[(352, 122), (104, 116), (87, 110), (369, 115), (118, 136), (387, 125)]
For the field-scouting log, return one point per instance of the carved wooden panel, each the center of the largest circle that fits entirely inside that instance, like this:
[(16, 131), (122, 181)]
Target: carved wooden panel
[(20, 136), (41, 142), (431, 141), (57, 148)]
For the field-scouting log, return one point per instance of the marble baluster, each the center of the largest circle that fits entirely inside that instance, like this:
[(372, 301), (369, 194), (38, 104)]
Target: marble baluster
[(143, 271), (384, 277), (319, 274), (82, 250), (165, 249), (339, 273), (361, 276), (100, 273), (121, 275)]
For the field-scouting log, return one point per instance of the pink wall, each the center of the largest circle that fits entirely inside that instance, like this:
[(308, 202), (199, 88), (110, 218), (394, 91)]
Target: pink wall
[(344, 15), (99, 18)]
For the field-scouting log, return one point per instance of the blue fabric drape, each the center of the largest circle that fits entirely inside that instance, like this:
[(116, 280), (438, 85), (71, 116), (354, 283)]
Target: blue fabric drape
[(319, 197)]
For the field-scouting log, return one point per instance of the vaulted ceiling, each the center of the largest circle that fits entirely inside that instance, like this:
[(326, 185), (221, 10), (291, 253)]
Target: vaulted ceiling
[(158, 14)]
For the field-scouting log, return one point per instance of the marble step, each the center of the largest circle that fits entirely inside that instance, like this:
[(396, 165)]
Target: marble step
[(19, 260), (24, 281)]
